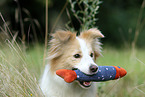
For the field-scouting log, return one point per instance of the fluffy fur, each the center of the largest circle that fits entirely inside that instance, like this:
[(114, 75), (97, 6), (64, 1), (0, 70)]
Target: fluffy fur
[(68, 51)]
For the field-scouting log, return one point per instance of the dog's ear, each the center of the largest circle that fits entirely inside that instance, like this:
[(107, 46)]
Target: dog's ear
[(64, 36), (92, 34), (59, 39)]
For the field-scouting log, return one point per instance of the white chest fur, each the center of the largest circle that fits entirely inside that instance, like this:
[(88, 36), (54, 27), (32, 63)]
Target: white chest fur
[(54, 86)]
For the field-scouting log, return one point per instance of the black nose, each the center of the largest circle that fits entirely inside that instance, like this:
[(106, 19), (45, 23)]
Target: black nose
[(93, 68)]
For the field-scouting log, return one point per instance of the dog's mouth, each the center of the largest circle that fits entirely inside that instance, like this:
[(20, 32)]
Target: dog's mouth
[(84, 84)]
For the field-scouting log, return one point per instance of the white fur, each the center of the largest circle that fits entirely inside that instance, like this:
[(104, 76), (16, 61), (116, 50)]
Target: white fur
[(86, 60), (54, 86)]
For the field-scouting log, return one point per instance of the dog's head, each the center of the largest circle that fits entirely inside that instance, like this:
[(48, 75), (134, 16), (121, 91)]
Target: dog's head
[(68, 51)]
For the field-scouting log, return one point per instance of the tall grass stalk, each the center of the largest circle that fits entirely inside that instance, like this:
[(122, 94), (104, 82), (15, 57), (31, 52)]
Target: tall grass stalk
[(21, 24), (58, 17), (139, 27), (16, 80), (53, 27), (46, 32), (33, 22), (6, 24)]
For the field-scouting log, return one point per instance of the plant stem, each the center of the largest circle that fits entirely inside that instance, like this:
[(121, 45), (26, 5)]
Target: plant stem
[(46, 32)]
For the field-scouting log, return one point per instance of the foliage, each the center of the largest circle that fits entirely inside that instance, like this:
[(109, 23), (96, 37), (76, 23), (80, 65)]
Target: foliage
[(116, 19), (85, 12), (21, 68)]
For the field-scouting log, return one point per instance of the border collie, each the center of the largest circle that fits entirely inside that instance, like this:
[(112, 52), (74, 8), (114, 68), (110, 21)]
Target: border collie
[(68, 51)]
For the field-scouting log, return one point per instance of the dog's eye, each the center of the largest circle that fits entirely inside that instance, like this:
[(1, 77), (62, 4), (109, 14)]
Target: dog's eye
[(77, 55), (91, 54)]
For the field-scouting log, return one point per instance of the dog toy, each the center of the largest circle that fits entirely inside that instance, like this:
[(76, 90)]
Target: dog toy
[(105, 73)]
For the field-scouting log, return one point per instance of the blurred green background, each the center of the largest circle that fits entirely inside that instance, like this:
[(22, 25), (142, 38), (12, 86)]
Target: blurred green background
[(121, 21), (117, 19)]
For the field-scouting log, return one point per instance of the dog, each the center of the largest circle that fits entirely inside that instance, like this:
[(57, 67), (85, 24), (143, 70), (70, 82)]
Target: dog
[(68, 51)]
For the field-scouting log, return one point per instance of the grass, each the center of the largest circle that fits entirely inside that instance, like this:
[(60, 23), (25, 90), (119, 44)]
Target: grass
[(20, 72), (133, 84)]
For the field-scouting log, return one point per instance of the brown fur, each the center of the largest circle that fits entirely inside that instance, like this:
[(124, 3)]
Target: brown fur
[(64, 45), (90, 36), (64, 50)]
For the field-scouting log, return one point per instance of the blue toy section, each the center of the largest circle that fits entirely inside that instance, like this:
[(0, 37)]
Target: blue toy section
[(104, 73)]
